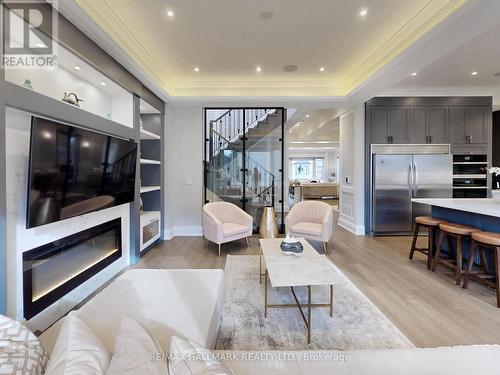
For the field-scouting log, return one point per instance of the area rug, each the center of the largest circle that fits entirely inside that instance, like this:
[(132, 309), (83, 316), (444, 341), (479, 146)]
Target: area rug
[(356, 323)]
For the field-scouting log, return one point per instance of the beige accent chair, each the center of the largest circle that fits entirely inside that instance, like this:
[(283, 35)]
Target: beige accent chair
[(312, 220), (225, 222)]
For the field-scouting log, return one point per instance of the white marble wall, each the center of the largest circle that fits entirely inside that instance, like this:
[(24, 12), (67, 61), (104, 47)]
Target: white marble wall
[(20, 239)]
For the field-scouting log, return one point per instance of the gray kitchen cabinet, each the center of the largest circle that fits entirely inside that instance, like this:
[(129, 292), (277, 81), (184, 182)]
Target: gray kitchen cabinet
[(419, 129), (438, 124), (468, 125), (476, 119), (457, 125), (379, 124), (398, 129)]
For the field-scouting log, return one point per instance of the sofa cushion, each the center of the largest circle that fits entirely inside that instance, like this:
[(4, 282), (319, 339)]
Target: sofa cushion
[(188, 358), (77, 351), (20, 350), (232, 229), (310, 229), (166, 302), (136, 352)]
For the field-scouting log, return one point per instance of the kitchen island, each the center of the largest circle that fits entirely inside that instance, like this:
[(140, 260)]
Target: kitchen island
[(482, 213)]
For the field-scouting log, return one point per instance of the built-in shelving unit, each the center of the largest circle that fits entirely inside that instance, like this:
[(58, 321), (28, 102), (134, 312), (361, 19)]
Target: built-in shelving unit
[(151, 130)]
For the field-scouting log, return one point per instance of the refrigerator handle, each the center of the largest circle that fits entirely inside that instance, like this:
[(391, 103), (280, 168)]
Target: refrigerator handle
[(415, 179), (410, 179)]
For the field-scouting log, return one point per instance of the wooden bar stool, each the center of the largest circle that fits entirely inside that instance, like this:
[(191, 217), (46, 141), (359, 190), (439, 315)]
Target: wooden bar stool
[(460, 233), (485, 240), (431, 223)]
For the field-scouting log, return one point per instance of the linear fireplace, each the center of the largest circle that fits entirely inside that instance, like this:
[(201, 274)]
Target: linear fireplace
[(55, 269)]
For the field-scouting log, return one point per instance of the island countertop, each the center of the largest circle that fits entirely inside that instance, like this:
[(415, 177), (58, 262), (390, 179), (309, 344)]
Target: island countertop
[(481, 206)]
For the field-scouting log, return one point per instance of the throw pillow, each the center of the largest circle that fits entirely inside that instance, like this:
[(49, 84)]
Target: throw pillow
[(136, 352), (188, 358), (20, 350), (77, 351)]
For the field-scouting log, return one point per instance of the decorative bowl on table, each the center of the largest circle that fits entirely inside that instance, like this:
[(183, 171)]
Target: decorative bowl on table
[(290, 246)]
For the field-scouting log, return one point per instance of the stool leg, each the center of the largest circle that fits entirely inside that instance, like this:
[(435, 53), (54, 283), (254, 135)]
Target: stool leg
[(414, 242), (438, 251), (458, 271), (472, 255), (430, 247), (496, 261), (484, 263)]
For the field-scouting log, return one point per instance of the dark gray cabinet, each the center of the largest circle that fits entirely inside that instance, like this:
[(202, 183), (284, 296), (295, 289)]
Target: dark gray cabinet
[(419, 125), (398, 129), (477, 124), (438, 125), (468, 124), (379, 120)]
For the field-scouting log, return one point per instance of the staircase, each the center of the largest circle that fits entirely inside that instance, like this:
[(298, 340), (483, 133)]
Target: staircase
[(229, 169)]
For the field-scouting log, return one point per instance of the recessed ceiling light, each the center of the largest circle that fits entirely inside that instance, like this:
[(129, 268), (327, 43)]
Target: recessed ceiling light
[(308, 116), (76, 67), (103, 83), (363, 12), (414, 74), (196, 69), (40, 45), (170, 13), (322, 69), (258, 69), (473, 74), (85, 144)]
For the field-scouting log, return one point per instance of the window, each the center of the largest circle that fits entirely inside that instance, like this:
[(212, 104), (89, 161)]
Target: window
[(307, 169)]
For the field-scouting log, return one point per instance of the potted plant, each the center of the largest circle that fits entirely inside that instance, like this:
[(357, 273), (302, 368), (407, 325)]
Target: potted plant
[(495, 172)]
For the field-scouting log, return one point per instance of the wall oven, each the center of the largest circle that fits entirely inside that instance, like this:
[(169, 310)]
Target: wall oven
[(470, 176)]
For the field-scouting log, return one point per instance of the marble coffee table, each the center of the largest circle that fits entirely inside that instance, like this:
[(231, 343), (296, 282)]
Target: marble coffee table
[(307, 270)]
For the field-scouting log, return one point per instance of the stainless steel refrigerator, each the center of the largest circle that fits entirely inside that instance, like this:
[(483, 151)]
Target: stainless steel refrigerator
[(403, 172)]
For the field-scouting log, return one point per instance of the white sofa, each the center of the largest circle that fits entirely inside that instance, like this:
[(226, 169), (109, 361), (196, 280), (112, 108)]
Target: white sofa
[(189, 303), (185, 303)]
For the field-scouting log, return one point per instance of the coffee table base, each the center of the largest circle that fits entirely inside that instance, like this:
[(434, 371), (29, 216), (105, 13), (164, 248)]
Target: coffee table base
[(309, 305)]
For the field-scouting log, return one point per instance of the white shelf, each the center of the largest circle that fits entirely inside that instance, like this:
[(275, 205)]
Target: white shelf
[(147, 189), (148, 216), (148, 135), (149, 161)]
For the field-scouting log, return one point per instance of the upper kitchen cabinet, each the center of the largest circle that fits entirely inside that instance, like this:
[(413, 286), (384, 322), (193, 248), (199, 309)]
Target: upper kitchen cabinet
[(419, 125), (437, 130), (398, 124), (468, 125), (388, 124), (378, 118)]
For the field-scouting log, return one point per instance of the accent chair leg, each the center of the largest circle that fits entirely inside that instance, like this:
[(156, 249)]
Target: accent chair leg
[(325, 247), (219, 248), (248, 242)]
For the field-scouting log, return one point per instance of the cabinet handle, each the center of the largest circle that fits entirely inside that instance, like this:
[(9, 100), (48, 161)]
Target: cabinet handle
[(426, 139), (388, 139), (430, 138)]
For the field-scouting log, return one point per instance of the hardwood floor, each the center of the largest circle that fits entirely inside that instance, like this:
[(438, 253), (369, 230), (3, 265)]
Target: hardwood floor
[(428, 307)]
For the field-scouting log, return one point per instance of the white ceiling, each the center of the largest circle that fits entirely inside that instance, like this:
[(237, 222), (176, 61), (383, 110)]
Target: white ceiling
[(228, 39), (317, 125), (481, 55)]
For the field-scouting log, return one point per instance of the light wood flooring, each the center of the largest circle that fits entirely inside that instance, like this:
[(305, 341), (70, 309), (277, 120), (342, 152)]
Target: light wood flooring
[(427, 307)]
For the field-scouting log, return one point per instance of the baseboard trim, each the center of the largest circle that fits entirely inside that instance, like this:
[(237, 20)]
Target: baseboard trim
[(168, 234), (358, 230)]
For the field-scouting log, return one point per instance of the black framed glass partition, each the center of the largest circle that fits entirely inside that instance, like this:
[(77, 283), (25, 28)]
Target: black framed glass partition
[(243, 159)]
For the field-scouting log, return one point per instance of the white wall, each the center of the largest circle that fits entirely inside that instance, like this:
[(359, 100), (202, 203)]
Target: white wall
[(20, 239), (184, 183), (352, 143)]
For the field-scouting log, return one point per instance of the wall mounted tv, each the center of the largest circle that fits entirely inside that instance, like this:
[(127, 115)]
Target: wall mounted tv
[(74, 171)]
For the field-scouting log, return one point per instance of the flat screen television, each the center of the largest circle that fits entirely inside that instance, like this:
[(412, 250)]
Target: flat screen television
[(73, 171)]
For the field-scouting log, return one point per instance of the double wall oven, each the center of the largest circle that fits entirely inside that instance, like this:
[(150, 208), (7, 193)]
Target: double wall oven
[(470, 176)]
